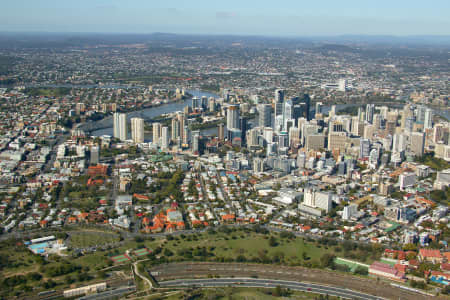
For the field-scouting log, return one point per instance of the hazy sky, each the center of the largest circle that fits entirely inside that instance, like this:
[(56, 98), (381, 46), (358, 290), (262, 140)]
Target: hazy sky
[(261, 17)]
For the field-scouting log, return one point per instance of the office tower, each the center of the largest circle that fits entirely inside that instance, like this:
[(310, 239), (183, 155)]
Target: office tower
[(283, 139), (186, 136), (373, 158), (406, 113), (332, 112), (370, 109), (384, 110), (195, 102), (196, 142), (137, 130), (336, 126), (301, 160), (288, 110), (204, 102), (337, 140), (279, 102), (212, 104), (226, 95), (369, 131), (156, 133), (252, 137), (221, 132), (364, 148), (264, 115), (95, 155), (417, 143), (319, 106), (399, 142), (120, 126), (306, 101), (409, 123), (233, 117), (428, 119), (315, 142), (258, 165), (279, 123), (294, 137), (243, 125), (421, 113), (165, 139), (175, 129)]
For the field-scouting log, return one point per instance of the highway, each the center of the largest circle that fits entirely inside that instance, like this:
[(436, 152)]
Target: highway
[(269, 283)]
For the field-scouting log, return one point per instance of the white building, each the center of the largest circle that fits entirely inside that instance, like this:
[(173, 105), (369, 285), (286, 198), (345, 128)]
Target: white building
[(349, 211), (165, 139), (137, 130), (407, 180), (120, 126)]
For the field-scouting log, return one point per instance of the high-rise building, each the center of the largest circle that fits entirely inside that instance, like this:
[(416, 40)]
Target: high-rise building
[(364, 148), (95, 155), (137, 130), (186, 136), (319, 106), (175, 129), (370, 109), (264, 115), (417, 143), (196, 102), (399, 142), (428, 119), (212, 104), (306, 101), (421, 113), (221, 132), (165, 139), (337, 140), (233, 117), (279, 102), (258, 165), (120, 126), (156, 133)]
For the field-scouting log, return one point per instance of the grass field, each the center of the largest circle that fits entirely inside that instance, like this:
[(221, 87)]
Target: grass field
[(90, 239)]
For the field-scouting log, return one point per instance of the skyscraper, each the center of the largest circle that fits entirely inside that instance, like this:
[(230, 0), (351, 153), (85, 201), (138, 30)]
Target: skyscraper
[(307, 100), (221, 132), (319, 106), (279, 102), (233, 117), (156, 133), (370, 109), (428, 120), (165, 141), (417, 143), (264, 115), (95, 155), (120, 126), (175, 129), (137, 130)]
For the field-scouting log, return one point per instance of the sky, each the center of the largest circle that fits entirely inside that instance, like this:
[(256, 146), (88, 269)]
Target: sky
[(241, 17)]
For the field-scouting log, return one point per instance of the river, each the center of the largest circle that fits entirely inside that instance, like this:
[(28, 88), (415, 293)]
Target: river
[(152, 112)]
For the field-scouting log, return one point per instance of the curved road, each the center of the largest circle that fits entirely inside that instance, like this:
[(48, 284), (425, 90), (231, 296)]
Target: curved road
[(269, 283)]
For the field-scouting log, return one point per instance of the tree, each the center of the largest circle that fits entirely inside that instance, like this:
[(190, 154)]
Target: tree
[(361, 270), (327, 260), (273, 241)]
